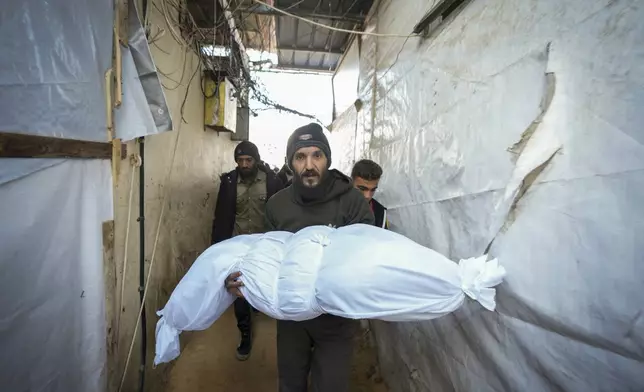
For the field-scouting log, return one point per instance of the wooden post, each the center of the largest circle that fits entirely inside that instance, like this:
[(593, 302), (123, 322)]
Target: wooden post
[(120, 38), (109, 109), (118, 67), (109, 275), (122, 19)]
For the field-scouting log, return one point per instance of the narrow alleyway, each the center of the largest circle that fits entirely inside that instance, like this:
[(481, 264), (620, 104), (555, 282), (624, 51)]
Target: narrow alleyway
[(208, 362)]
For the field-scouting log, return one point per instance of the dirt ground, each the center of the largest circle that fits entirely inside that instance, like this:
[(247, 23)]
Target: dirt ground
[(207, 362)]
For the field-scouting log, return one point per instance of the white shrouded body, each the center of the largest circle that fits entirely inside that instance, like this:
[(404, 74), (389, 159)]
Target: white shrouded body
[(358, 271)]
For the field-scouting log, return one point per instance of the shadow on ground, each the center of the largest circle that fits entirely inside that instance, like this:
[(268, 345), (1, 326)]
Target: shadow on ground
[(207, 362)]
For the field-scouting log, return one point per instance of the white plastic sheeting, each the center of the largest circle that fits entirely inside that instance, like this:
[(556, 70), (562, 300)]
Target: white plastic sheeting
[(144, 110), (52, 76), (52, 67), (52, 316), (52, 319), (54, 58), (345, 81), (516, 127)]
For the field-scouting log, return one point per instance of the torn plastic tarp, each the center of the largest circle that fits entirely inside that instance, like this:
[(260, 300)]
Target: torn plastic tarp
[(52, 76), (144, 110), (474, 159)]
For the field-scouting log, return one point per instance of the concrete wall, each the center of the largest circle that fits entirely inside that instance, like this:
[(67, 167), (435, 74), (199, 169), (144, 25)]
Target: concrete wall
[(514, 128), (187, 196)]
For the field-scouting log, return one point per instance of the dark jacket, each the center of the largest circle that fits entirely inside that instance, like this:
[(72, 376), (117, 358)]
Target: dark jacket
[(341, 205), (380, 213), (283, 175), (224, 221)]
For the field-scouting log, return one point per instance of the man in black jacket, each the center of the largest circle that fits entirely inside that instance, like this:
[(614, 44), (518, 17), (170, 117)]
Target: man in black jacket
[(318, 196), (241, 202), (366, 176)]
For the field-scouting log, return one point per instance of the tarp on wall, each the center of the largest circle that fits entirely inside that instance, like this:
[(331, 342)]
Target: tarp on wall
[(516, 128), (52, 317), (345, 81), (144, 110), (52, 76), (52, 312), (52, 71), (52, 328)]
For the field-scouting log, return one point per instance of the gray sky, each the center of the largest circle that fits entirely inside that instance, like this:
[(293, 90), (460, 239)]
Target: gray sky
[(307, 93)]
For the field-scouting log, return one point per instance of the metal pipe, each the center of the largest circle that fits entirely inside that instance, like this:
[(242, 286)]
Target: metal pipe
[(141, 220)]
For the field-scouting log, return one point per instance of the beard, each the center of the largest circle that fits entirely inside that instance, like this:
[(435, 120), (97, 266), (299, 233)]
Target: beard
[(247, 173), (310, 185), (310, 178)]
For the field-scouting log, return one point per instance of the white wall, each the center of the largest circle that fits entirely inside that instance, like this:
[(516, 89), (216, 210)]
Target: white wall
[(516, 127), (190, 195)]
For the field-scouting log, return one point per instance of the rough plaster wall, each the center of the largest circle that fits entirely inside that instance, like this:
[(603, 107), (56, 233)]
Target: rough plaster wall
[(472, 75), (201, 156)]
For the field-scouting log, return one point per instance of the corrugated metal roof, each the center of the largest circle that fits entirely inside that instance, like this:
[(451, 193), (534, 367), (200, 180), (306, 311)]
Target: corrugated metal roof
[(300, 45)]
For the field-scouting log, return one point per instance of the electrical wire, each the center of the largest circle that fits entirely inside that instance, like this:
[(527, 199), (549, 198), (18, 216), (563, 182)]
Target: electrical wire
[(177, 36), (312, 22), (183, 72), (185, 97), (191, 37), (187, 34)]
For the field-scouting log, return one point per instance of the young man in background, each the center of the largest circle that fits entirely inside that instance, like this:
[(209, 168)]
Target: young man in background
[(241, 203), (366, 176)]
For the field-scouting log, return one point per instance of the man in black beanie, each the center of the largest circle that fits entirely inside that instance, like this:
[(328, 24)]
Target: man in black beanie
[(241, 202), (318, 196)]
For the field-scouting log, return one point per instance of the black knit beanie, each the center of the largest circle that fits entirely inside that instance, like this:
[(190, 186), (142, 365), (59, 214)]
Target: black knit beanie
[(247, 148), (310, 135)]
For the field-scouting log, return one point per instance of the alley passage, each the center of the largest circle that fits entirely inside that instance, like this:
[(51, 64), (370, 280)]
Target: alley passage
[(208, 362)]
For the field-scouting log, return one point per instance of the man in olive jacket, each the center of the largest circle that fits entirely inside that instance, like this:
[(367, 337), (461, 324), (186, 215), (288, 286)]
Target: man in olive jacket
[(240, 210), (318, 196)]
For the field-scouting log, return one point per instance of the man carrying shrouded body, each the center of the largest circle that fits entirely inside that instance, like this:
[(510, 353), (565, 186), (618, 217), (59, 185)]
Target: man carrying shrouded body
[(318, 196)]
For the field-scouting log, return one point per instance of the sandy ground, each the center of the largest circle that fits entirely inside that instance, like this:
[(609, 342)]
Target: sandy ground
[(208, 362)]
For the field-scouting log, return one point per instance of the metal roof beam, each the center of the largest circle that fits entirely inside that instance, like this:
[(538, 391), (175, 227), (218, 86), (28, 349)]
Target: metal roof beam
[(304, 68), (307, 13), (335, 51)]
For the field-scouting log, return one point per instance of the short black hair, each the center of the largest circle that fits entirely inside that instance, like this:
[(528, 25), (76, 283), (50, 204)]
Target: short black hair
[(366, 169)]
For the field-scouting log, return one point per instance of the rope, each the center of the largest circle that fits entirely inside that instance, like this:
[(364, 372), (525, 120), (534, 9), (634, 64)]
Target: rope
[(309, 21), (152, 258), (135, 161)]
